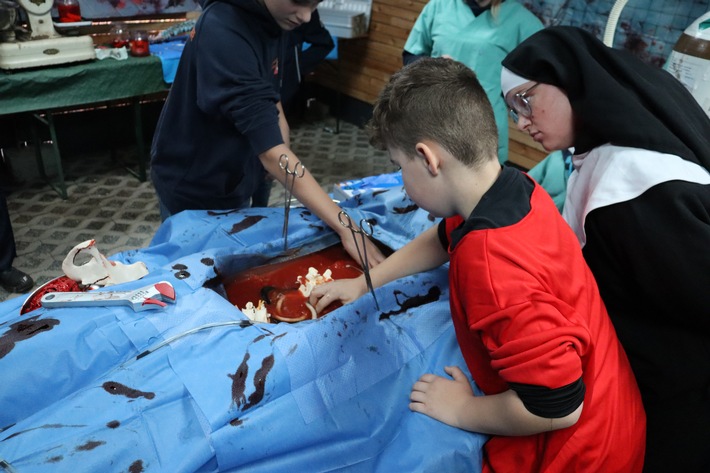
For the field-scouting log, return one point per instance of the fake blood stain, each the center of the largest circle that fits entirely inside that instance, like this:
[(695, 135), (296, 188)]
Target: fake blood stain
[(113, 387), (246, 223), (24, 330), (260, 382), (45, 426), (404, 210), (136, 467), (90, 445), (213, 213), (213, 283), (239, 379), (181, 271), (236, 422), (414, 301)]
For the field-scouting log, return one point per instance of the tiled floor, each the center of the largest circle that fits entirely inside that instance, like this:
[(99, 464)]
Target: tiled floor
[(109, 205)]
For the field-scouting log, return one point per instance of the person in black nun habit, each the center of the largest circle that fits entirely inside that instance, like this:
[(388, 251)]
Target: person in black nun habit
[(639, 201), (11, 279)]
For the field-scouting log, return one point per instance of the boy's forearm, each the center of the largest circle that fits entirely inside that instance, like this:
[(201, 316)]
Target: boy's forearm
[(505, 414), (423, 253)]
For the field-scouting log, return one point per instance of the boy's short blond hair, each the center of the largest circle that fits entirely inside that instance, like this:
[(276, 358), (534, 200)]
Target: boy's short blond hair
[(440, 100)]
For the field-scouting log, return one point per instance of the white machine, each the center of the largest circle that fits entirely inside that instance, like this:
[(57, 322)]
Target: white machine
[(689, 61), (44, 46), (346, 18)]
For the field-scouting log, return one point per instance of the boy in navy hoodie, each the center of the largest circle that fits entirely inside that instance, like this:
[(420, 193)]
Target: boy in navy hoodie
[(222, 127)]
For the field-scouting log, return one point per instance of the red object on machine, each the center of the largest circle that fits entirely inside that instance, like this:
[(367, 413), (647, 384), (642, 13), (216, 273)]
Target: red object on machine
[(69, 11)]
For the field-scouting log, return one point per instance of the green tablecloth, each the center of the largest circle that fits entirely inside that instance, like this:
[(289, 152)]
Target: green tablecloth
[(74, 85)]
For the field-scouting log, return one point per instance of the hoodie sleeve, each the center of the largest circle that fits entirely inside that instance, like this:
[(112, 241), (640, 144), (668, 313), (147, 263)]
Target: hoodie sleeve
[(234, 74), (321, 44)]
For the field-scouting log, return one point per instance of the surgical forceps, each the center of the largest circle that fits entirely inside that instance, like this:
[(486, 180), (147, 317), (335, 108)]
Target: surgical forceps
[(299, 170), (365, 231)]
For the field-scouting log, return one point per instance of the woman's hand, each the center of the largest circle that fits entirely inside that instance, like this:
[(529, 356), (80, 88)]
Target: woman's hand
[(374, 255), (343, 290)]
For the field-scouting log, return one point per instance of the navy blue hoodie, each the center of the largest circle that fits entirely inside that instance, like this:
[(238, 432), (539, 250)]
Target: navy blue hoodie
[(221, 111)]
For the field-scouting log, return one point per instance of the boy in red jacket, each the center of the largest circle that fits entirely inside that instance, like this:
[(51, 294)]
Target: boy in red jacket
[(560, 394)]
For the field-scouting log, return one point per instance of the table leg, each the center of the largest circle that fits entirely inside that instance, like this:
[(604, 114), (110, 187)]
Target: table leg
[(140, 147), (60, 186), (37, 142)]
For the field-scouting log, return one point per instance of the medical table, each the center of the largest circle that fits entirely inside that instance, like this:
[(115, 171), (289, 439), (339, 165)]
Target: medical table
[(196, 387)]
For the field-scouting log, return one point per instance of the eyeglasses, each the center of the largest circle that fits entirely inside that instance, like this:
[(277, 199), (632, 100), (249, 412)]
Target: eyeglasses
[(520, 105)]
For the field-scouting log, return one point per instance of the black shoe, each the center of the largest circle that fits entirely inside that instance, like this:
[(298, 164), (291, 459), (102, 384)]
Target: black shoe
[(14, 280)]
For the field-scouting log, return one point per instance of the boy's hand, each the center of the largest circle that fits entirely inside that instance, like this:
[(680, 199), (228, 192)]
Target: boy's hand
[(343, 290), (441, 398)]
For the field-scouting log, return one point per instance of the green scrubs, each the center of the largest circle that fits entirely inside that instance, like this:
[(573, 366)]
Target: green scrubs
[(449, 27), (552, 174)]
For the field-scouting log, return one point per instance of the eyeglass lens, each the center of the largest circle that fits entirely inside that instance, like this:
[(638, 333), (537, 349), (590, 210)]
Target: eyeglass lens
[(520, 105)]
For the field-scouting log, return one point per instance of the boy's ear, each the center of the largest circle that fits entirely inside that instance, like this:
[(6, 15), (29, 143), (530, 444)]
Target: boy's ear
[(429, 157)]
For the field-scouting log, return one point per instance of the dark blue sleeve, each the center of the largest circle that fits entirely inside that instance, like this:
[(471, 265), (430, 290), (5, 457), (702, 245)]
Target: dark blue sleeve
[(321, 44), (233, 75), (551, 403)]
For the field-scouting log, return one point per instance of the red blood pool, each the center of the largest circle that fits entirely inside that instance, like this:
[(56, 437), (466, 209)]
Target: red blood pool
[(278, 283)]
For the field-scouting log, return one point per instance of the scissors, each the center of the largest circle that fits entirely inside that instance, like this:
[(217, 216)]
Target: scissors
[(291, 174), (364, 230)]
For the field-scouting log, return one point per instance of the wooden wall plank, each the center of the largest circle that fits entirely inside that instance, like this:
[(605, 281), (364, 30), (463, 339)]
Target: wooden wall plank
[(394, 13), (408, 5)]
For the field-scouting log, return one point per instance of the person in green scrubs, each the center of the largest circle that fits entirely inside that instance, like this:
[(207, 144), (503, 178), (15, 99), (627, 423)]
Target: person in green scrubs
[(478, 33), (552, 174)]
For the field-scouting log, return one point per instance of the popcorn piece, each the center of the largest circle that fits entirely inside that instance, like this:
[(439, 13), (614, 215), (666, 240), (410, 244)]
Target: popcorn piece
[(313, 279), (257, 314)]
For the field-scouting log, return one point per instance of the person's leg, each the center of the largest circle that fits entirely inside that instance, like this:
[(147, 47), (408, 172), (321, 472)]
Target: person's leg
[(11, 279), (7, 238)]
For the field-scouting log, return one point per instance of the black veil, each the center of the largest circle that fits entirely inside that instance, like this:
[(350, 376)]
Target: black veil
[(616, 98)]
